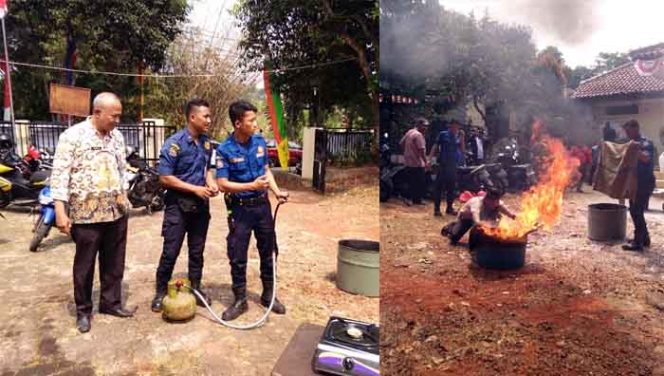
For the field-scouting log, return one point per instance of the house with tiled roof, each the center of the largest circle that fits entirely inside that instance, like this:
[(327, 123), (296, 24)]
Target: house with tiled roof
[(634, 90)]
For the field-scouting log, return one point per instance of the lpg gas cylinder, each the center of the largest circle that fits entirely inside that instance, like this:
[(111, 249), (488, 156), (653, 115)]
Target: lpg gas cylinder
[(180, 303)]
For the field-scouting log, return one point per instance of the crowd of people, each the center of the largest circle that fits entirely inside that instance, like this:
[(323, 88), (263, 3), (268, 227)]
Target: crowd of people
[(451, 149), (89, 186)]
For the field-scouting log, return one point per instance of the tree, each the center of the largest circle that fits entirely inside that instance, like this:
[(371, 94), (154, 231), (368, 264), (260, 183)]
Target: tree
[(113, 35), (608, 60), (285, 34), (225, 85)]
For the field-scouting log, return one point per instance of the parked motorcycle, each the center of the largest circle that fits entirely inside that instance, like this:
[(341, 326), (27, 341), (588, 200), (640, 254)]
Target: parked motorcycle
[(46, 218), (15, 189), (393, 179), (520, 174), (144, 187)]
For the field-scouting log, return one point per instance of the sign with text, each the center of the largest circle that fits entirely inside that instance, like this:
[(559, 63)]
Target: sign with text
[(69, 100)]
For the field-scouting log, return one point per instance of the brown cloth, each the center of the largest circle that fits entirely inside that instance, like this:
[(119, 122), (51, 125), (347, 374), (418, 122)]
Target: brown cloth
[(616, 170)]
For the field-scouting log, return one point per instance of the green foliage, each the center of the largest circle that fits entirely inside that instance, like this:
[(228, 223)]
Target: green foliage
[(113, 35), (168, 96), (295, 33)]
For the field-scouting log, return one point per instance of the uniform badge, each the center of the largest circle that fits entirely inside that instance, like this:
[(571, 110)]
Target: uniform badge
[(260, 152), (207, 145), (237, 160), (173, 150)]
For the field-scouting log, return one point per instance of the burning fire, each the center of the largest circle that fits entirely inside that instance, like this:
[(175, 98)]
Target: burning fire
[(542, 205)]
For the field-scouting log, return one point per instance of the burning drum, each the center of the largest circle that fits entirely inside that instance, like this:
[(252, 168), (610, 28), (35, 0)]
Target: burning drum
[(495, 253)]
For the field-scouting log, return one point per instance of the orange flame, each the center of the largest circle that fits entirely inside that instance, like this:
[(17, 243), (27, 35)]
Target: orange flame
[(542, 205)]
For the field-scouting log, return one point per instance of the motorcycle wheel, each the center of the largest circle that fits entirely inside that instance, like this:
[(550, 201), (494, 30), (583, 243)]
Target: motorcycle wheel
[(41, 231)]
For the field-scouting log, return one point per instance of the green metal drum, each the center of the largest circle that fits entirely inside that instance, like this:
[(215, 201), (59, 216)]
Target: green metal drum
[(358, 267)]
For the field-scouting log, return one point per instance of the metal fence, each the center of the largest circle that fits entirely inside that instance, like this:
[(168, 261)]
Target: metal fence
[(348, 142), (147, 137)]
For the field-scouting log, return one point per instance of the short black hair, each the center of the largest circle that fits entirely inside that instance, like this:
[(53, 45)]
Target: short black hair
[(237, 109), (631, 124), (454, 121), (494, 193), (421, 122), (194, 102)]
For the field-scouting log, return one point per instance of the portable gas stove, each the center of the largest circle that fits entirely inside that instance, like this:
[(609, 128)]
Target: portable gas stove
[(348, 347)]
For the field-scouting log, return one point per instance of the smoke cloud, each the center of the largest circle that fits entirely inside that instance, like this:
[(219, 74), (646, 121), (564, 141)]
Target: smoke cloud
[(570, 21)]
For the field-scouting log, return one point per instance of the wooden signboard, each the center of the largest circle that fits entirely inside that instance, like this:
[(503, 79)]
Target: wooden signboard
[(69, 100)]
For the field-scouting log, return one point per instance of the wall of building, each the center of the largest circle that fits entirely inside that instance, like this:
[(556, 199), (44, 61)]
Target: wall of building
[(650, 116)]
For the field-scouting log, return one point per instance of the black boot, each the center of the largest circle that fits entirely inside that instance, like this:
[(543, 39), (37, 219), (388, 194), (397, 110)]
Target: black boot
[(159, 296), (196, 285), (238, 307), (266, 299)]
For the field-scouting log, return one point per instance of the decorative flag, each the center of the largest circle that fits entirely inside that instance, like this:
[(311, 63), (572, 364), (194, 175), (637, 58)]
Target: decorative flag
[(3, 8), (8, 89), (277, 120), (648, 67)]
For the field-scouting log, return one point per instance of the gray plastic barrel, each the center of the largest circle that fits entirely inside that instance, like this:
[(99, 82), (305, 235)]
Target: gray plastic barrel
[(607, 222), (358, 267)]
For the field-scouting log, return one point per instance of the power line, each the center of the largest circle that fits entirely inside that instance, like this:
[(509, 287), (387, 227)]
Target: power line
[(157, 75)]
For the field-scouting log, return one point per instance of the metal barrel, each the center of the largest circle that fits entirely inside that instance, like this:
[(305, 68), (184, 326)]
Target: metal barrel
[(358, 267), (607, 222)]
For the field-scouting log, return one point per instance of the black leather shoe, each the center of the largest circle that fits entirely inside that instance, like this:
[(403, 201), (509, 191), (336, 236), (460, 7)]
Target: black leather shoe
[(633, 247), (83, 324), (437, 213), (239, 307), (117, 312), (450, 211), (277, 308), (156, 302)]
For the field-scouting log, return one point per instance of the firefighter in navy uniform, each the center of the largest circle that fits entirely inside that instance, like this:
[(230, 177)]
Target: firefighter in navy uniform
[(244, 176), (184, 171)]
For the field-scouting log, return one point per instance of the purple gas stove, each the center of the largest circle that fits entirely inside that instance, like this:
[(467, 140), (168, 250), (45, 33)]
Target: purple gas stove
[(348, 347)]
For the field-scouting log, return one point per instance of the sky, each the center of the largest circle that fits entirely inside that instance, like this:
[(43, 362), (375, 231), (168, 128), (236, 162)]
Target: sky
[(581, 29), (214, 19)]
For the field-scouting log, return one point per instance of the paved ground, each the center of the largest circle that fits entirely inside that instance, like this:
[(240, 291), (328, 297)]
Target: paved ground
[(577, 308), (37, 319)]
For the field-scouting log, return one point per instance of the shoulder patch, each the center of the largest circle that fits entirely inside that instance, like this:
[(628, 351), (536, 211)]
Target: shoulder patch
[(220, 163), (206, 145), (260, 152), (173, 150)]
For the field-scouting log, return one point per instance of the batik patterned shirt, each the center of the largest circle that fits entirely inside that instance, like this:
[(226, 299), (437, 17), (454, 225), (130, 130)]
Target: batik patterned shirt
[(89, 172)]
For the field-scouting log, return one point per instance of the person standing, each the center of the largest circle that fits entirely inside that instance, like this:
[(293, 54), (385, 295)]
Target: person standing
[(447, 148), (89, 174), (644, 187), (413, 145), (184, 170), (244, 175)]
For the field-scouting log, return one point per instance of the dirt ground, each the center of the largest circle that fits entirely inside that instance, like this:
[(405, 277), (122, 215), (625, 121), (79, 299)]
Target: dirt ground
[(37, 330), (577, 308)]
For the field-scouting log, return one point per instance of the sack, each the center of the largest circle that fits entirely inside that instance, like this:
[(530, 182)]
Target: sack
[(191, 204)]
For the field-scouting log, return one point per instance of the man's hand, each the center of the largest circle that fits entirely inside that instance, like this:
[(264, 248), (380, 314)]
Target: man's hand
[(261, 183), (204, 192), (214, 188), (63, 223), (282, 196)]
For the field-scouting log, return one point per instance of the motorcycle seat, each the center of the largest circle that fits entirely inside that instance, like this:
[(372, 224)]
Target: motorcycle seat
[(39, 177)]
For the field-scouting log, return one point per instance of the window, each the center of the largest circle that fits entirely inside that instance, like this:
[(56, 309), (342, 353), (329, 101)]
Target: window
[(631, 109)]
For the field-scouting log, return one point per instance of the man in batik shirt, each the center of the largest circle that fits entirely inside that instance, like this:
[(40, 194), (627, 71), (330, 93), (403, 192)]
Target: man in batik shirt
[(89, 175)]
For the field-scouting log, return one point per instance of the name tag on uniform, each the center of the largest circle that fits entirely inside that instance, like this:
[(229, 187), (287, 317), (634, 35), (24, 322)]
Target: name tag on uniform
[(237, 160), (260, 152), (96, 148)]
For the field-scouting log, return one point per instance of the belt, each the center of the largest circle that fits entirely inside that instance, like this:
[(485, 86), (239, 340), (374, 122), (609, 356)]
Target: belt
[(251, 201)]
